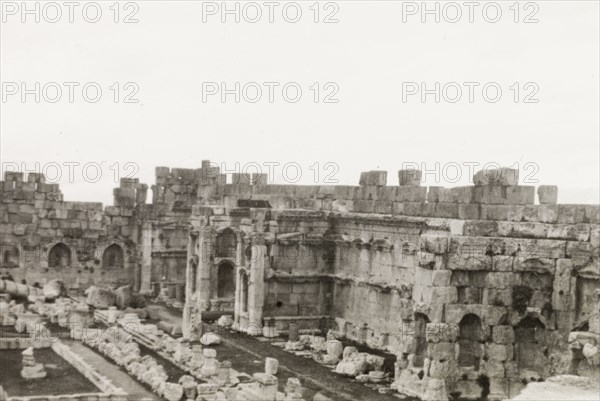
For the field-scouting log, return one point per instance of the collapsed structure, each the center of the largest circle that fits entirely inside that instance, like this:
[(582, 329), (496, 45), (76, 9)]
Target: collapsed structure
[(476, 290)]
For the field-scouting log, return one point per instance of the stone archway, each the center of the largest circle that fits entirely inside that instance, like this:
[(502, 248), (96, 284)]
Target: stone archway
[(469, 341)]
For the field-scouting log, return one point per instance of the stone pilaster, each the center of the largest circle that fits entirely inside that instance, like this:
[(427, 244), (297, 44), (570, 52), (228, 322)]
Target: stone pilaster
[(256, 290), (189, 327), (146, 262), (207, 257)]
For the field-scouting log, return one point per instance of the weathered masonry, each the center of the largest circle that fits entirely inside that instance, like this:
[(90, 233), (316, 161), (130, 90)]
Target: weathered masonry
[(476, 288)]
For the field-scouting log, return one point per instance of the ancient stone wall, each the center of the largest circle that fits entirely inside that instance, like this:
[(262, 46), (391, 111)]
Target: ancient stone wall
[(473, 288), (44, 237)]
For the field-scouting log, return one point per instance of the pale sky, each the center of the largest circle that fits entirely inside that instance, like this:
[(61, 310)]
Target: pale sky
[(368, 56)]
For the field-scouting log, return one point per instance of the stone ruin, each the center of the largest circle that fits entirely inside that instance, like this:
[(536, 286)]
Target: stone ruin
[(476, 290), (32, 369)]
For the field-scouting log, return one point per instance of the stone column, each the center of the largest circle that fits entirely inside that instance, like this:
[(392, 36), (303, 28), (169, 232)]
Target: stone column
[(146, 262), (256, 290)]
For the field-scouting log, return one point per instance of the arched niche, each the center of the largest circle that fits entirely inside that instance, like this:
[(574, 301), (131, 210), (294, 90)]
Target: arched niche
[(59, 256), (225, 280), (113, 257), (10, 256), (469, 341), (226, 244), (530, 344)]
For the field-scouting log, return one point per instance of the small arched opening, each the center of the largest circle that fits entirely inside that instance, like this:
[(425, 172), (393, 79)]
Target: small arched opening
[(59, 256), (530, 344), (225, 281), (113, 257), (469, 341), (10, 256)]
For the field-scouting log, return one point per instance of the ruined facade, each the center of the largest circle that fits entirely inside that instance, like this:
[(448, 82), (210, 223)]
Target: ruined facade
[(474, 289)]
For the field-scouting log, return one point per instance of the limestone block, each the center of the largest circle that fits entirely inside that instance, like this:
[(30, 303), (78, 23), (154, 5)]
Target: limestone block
[(376, 178), (441, 332), (408, 208), (503, 334), (364, 206), (502, 212), (595, 238), (411, 194), (209, 353), (534, 264), (210, 339), (100, 298), (502, 263), (335, 348), (469, 212), (501, 176), (541, 213), (436, 390), (321, 397), (207, 389), (441, 351), (342, 206), (271, 366), (270, 331), (351, 368), (547, 194), (189, 385), (435, 244), (441, 278), (444, 295), (445, 210), (493, 368), (383, 207), (374, 362), (437, 194), (440, 369), (267, 386), (54, 289), (592, 354), (293, 389), (499, 280), (576, 232), (409, 177), (225, 321), (571, 214), (480, 228), (353, 363), (499, 352), (594, 323), (504, 195), (123, 296)]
